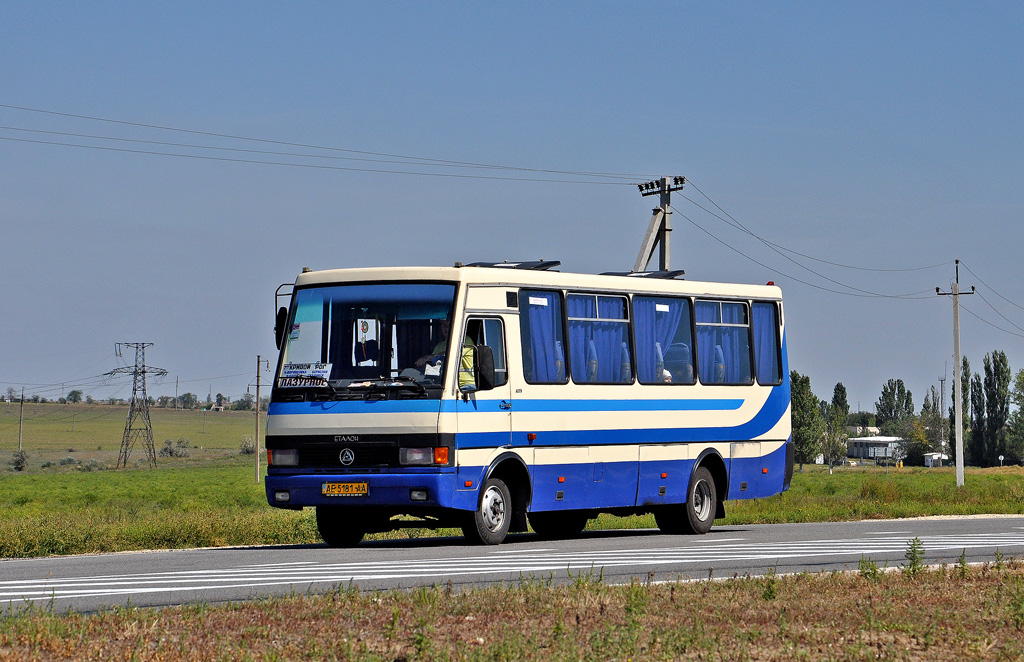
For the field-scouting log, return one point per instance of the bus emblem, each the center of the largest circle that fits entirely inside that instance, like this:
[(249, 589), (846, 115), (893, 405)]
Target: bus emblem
[(347, 457)]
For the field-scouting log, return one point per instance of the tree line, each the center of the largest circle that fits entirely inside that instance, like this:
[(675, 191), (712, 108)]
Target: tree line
[(992, 408)]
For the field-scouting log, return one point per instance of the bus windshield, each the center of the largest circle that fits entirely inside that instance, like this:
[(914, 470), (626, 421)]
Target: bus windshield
[(347, 335)]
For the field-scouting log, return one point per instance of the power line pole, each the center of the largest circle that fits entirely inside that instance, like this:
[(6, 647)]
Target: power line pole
[(259, 361), (21, 421), (942, 411), (957, 396), (660, 226), (138, 424)]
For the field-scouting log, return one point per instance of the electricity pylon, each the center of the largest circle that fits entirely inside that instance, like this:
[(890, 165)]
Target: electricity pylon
[(138, 425)]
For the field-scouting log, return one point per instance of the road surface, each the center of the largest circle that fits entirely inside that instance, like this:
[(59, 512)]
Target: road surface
[(159, 578)]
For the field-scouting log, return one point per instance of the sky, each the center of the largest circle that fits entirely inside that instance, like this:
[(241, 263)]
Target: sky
[(863, 146)]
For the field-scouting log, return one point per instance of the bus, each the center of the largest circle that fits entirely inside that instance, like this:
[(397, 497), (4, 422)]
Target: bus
[(494, 397)]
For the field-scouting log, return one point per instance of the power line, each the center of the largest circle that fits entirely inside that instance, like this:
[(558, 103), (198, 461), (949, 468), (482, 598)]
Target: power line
[(421, 160), (994, 326), (315, 166), (739, 226), (862, 294), (992, 289)]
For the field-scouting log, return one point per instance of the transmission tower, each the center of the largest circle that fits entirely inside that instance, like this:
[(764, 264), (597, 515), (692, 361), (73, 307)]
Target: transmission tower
[(137, 426)]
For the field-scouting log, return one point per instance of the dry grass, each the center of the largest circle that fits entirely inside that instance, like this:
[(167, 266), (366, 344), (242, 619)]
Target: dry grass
[(947, 614)]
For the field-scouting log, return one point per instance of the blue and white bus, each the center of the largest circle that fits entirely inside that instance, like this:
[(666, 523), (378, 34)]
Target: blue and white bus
[(493, 396)]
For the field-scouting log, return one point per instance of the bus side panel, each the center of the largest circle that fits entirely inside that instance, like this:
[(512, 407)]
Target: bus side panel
[(561, 478), (664, 474), (613, 476), (745, 477)]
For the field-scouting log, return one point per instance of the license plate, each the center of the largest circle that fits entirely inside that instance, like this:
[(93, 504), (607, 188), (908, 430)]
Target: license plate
[(343, 489)]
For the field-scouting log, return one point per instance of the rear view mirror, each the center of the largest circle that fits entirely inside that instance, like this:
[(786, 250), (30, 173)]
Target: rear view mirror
[(483, 367), (279, 331)]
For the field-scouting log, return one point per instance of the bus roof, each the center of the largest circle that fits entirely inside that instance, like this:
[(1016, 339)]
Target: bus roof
[(512, 277)]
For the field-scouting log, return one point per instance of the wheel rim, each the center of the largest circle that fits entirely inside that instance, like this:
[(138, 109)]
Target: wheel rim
[(702, 500), (492, 508)]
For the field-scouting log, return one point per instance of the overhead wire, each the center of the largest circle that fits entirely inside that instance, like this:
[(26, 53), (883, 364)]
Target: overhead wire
[(412, 160), (857, 293)]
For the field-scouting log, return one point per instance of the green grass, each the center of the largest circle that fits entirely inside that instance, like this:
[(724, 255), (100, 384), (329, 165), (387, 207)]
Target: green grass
[(64, 511), (937, 614)]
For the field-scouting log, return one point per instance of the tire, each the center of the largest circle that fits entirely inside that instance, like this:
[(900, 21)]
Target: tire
[(558, 525), (489, 523), (340, 527), (698, 513)]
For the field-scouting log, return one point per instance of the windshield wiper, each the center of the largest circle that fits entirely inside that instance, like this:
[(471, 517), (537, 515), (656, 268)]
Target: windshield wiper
[(382, 384)]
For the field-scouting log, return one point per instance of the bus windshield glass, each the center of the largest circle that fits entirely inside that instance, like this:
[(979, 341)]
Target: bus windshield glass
[(353, 335)]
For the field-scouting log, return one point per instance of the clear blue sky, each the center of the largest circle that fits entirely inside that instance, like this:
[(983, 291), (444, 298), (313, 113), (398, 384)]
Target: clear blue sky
[(877, 135)]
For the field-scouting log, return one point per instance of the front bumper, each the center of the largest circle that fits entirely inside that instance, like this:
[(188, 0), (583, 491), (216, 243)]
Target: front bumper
[(392, 490)]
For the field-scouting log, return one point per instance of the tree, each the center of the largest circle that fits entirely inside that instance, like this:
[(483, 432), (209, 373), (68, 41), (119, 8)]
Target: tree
[(895, 409), (997, 405), (834, 442), (839, 400), (808, 425), (220, 399), (74, 397), (188, 401), (931, 420), (243, 403), (976, 445), (915, 445), (1015, 426)]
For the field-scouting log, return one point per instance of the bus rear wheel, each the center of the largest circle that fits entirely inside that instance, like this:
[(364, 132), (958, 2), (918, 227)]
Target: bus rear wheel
[(489, 523), (556, 525), (698, 513), (340, 527)]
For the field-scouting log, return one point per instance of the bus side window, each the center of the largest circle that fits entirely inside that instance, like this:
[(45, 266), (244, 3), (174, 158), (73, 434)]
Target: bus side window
[(766, 343), (540, 326), (663, 340), (488, 331)]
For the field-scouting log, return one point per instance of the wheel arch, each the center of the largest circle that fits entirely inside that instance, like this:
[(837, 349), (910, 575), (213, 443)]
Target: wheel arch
[(511, 470), (713, 462)]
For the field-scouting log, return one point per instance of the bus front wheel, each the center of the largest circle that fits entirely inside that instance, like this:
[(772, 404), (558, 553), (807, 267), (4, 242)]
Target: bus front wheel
[(339, 527), (489, 523), (698, 513)]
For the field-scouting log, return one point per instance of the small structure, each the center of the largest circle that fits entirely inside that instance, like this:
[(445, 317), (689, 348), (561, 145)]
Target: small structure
[(935, 459), (874, 448)]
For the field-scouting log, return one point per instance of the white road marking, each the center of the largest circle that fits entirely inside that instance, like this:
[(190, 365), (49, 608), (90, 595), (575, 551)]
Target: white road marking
[(512, 561)]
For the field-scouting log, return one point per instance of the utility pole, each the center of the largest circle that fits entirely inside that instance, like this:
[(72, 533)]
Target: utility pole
[(660, 226), (21, 421), (259, 362), (138, 424), (957, 396), (175, 394), (942, 411)]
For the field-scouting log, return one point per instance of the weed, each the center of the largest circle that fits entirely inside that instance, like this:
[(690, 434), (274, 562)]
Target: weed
[(248, 446), (961, 564), (915, 558), (868, 569), (1000, 561), (176, 448), (1016, 605), (770, 591)]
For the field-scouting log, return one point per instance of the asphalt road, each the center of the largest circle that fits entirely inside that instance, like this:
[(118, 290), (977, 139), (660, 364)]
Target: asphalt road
[(159, 578)]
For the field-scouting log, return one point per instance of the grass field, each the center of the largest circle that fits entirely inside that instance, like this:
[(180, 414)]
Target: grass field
[(81, 504), (953, 613)]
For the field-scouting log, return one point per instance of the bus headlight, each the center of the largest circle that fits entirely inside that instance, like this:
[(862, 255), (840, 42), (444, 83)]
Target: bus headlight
[(416, 455), (284, 457), (423, 456)]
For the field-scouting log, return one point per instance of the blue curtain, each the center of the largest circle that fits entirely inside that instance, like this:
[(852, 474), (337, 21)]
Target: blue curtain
[(766, 343), (595, 347), (723, 352), (668, 331), (540, 320)]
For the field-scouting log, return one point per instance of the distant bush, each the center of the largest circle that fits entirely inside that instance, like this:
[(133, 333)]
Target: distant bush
[(47, 465), (65, 461), (248, 446), (19, 461), (176, 448)]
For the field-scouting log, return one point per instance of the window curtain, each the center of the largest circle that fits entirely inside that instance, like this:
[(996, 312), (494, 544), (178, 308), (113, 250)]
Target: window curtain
[(595, 347), (540, 320), (766, 343), (653, 329)]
